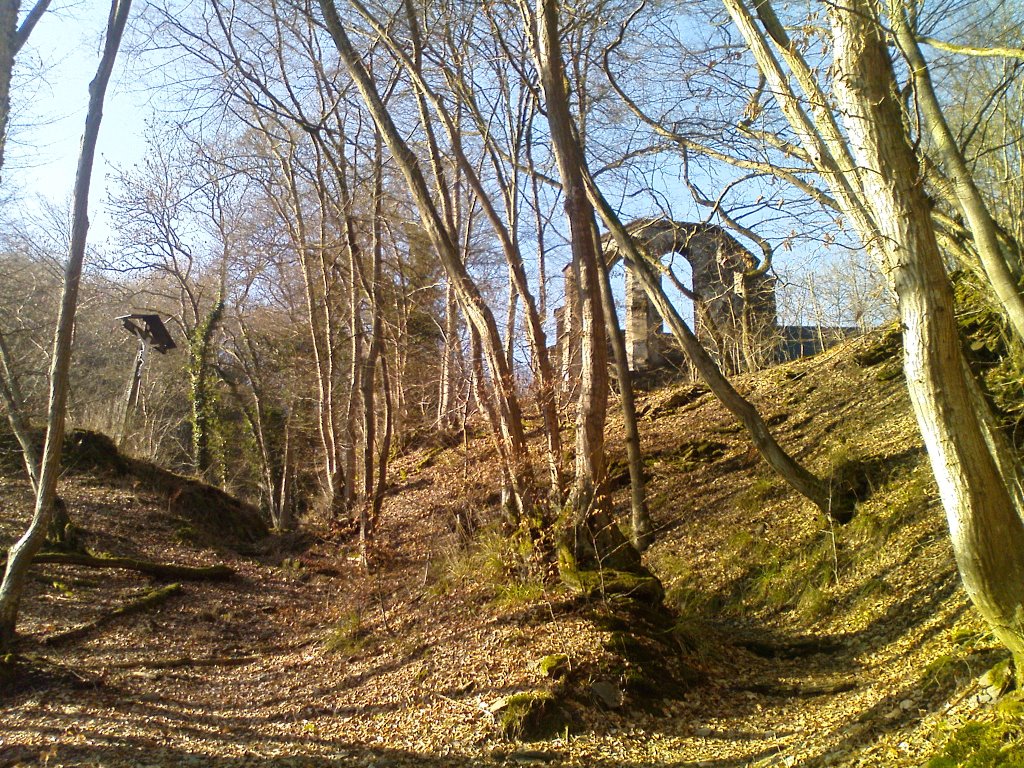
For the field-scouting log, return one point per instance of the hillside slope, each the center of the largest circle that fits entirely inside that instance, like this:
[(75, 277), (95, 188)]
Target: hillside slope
[(793, 642)]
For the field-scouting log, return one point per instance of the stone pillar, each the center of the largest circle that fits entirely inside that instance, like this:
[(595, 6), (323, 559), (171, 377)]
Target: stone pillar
[(643, 325)]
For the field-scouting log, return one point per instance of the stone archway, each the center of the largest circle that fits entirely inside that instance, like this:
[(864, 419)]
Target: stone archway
[(734, 306)]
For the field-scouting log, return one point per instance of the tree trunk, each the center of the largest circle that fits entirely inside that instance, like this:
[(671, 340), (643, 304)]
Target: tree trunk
[(982, 503), (202, 400), (590, 537), (8, 49), (830, 501), (13, 401), (21, 554), (640, 516), (446, 403), (983, 228)]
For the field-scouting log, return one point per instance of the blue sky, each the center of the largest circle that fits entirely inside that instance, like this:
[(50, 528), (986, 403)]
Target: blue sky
[(49, 99)]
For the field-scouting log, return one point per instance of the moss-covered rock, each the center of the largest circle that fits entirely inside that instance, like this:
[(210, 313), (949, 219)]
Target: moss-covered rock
[(884, 347), (694, 452), (555, 665), (642, 587), (529, 715)]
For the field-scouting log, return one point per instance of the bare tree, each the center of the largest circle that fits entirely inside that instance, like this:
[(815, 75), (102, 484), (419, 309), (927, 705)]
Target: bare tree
[(874, 176), (509, 420), (20, 556), (13, 37), (590, 536)]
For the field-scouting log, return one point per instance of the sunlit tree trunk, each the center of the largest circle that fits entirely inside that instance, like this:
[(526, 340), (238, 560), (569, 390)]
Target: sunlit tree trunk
[(446, 399), (983, 228), (640, 517), (591, 538), (979, 486), (20, 555)]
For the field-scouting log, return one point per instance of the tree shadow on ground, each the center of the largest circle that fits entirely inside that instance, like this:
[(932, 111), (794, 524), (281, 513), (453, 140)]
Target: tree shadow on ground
[(321, 753)]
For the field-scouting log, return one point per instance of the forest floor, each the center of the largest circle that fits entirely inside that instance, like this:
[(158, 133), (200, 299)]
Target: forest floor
[(794, 642)]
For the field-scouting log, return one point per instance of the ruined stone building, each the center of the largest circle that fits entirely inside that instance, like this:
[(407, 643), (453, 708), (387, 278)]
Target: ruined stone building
[(734, 304)]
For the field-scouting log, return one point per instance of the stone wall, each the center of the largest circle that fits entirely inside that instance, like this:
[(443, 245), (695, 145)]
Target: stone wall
[(734, 306)]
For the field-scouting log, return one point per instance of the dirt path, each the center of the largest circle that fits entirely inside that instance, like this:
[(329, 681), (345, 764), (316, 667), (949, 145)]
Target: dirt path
[(305, 660)]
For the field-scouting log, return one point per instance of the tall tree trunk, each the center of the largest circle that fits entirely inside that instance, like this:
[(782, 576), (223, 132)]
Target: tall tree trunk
[(371, 288), (202, 399), (446, 403), (979, 486), (830, 501), (320, 321), (983, 228), (640, 516), (284, 492), (591, 538), (20, 556), (8, 50), (357, 369)]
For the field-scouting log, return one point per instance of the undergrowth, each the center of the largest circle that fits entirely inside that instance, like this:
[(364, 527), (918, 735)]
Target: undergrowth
[(992, 743), (493, 562), (805, 576), (348, 635)]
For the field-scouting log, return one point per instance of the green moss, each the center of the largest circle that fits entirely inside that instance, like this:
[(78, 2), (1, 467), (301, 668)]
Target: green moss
[(696, 452), (554, 665), (8, 667), (1000, 679), (516, 594), (529, 715), (754, 497), (637, 683), (890, 371), (186, 533), (995, 743), (606, 583), (901, 499), (429, 457), (884, 348), (941, 671)]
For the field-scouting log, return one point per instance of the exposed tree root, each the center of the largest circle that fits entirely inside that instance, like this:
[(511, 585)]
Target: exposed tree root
[(159, 570), (149, 600)]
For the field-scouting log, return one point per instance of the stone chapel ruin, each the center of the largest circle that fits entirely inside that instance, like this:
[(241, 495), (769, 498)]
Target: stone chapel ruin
[(734, 301)]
